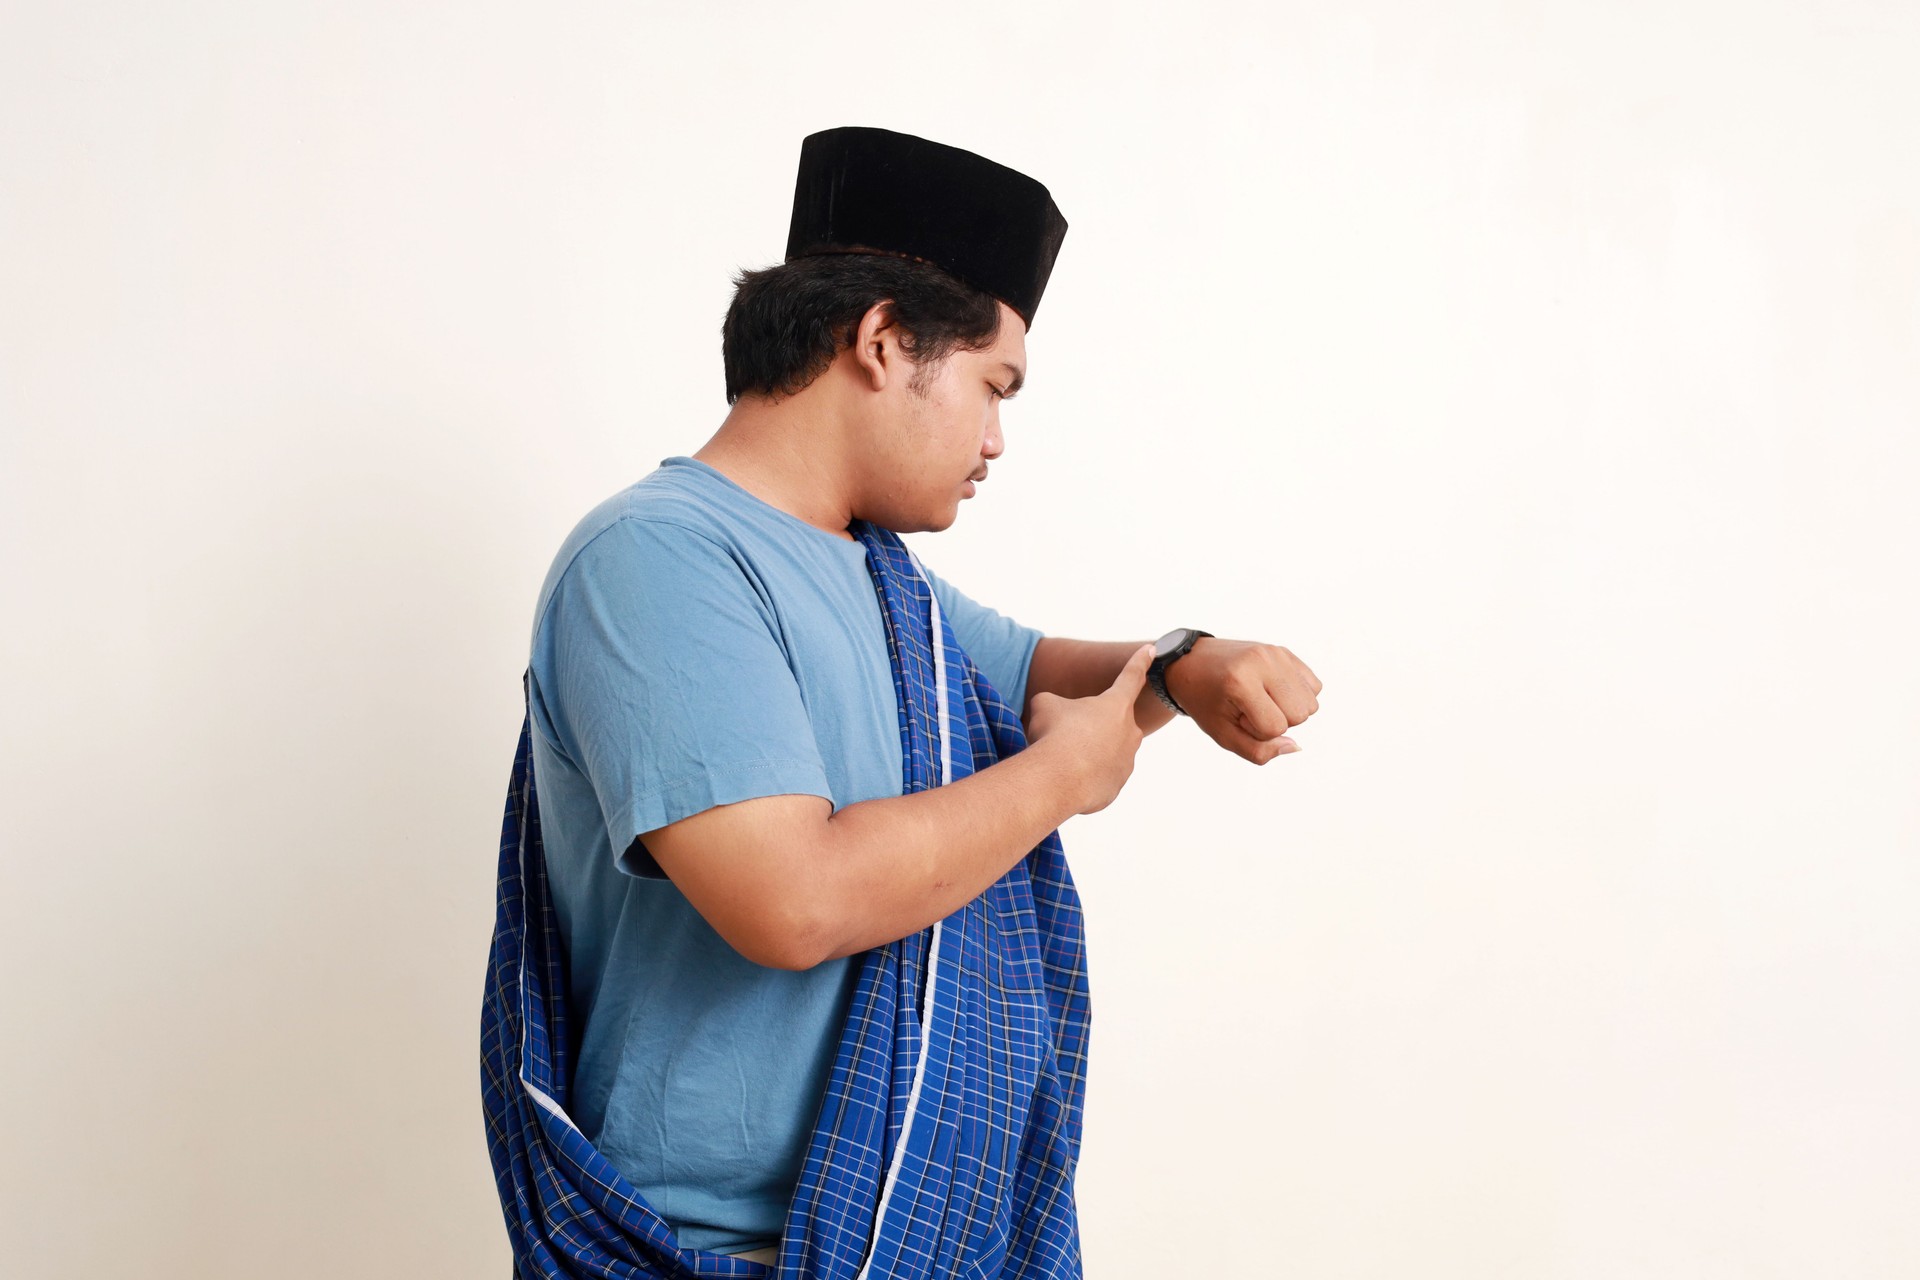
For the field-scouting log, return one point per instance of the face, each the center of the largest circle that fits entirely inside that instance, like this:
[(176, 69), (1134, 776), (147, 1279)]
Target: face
[(942, 437)]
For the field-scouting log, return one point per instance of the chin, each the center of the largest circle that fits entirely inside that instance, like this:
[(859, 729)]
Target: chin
[(933, 524), (927, 519)]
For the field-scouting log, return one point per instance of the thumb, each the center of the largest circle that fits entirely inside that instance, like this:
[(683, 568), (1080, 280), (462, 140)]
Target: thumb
[(1134, 675)]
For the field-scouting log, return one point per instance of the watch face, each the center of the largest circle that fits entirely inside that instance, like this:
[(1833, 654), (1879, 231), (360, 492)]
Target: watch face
[(1167, 643)]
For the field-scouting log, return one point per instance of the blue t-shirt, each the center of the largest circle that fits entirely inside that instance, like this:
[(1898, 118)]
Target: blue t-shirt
[(696, 646)]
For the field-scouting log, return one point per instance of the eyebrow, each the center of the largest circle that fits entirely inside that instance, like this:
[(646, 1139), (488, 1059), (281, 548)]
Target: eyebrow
[(1019, 379)]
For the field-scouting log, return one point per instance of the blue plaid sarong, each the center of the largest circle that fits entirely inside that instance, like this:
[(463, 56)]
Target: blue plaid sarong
[(948, 1136)]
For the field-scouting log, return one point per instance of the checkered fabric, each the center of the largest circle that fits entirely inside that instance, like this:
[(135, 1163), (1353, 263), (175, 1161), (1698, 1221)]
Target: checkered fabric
[(947, 1139)]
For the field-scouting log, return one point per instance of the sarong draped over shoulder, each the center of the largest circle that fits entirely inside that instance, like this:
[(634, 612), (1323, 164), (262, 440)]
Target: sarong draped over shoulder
[(949, 1132)]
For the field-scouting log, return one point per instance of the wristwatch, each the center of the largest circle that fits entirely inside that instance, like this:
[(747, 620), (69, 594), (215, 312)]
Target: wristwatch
[(1167, 650)]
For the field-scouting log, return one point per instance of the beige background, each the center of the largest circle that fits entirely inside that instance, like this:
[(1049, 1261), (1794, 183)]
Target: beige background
[(1544, 375)]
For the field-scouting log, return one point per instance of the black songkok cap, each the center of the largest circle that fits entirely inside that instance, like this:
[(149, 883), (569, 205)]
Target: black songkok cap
[(876, 191)]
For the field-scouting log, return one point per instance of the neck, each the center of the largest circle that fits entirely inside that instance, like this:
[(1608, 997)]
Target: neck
[(789, 455)]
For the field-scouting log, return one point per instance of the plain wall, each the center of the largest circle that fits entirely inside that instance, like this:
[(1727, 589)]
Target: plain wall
[(1545, 376)]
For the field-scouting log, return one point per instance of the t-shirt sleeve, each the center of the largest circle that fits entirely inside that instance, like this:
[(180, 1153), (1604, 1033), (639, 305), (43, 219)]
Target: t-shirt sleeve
[(668, 685), (1001, 647)]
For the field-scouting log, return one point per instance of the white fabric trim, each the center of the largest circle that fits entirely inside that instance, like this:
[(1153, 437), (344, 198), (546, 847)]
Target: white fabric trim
[(539, 1096), (933, 949)]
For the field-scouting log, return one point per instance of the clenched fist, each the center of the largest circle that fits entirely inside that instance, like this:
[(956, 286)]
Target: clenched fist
[(1245, 695)]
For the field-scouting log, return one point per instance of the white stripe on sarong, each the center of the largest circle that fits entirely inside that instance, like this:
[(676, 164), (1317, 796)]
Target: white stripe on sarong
[(933, 946)]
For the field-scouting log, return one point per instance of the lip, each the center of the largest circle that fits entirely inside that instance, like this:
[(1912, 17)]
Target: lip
[(969, 485)]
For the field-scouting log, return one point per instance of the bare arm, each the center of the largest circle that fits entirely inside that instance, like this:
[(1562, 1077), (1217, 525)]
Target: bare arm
[(790, 884), (1080, 668)]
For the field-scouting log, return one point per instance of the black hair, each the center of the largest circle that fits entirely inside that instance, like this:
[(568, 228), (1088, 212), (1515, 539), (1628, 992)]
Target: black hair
[(788, 321)]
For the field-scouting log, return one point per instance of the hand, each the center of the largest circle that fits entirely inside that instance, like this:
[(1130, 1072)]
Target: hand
[(1245, 695), (1093, 739)]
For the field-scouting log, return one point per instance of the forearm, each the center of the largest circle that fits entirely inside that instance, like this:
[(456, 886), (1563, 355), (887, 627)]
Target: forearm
[(1082, 668), (892, 866)]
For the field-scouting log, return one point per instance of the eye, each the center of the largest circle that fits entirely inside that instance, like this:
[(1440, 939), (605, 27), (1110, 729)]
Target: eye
[(997, 391)]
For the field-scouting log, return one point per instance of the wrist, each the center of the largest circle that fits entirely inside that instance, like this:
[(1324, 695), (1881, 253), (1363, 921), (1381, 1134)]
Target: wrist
[(1169, 649), (1060, 773), (1150, 713), (1179, 676)]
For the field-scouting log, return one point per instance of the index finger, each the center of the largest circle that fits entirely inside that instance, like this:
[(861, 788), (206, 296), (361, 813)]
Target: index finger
[(1259, 715)]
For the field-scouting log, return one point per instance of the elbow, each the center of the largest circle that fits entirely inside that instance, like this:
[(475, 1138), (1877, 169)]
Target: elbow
[(793, 954), (785, 934)]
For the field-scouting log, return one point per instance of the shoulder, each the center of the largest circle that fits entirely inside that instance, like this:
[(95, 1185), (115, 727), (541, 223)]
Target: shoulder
[(655, 530)]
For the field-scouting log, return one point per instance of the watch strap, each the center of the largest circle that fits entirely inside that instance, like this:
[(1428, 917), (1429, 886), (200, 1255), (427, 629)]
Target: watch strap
[(1157, 670)]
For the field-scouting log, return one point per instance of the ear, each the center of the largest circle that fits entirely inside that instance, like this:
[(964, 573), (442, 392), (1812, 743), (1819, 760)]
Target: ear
[(876, 347)]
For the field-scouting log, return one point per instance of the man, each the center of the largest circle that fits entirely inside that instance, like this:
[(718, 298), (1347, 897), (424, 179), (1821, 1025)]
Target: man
[(720, 705)]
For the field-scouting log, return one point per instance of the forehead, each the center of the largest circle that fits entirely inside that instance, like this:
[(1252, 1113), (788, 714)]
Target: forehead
[(1011, 344)]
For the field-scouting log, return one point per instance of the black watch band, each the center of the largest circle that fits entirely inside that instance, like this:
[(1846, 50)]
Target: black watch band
[(1169, 649)]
